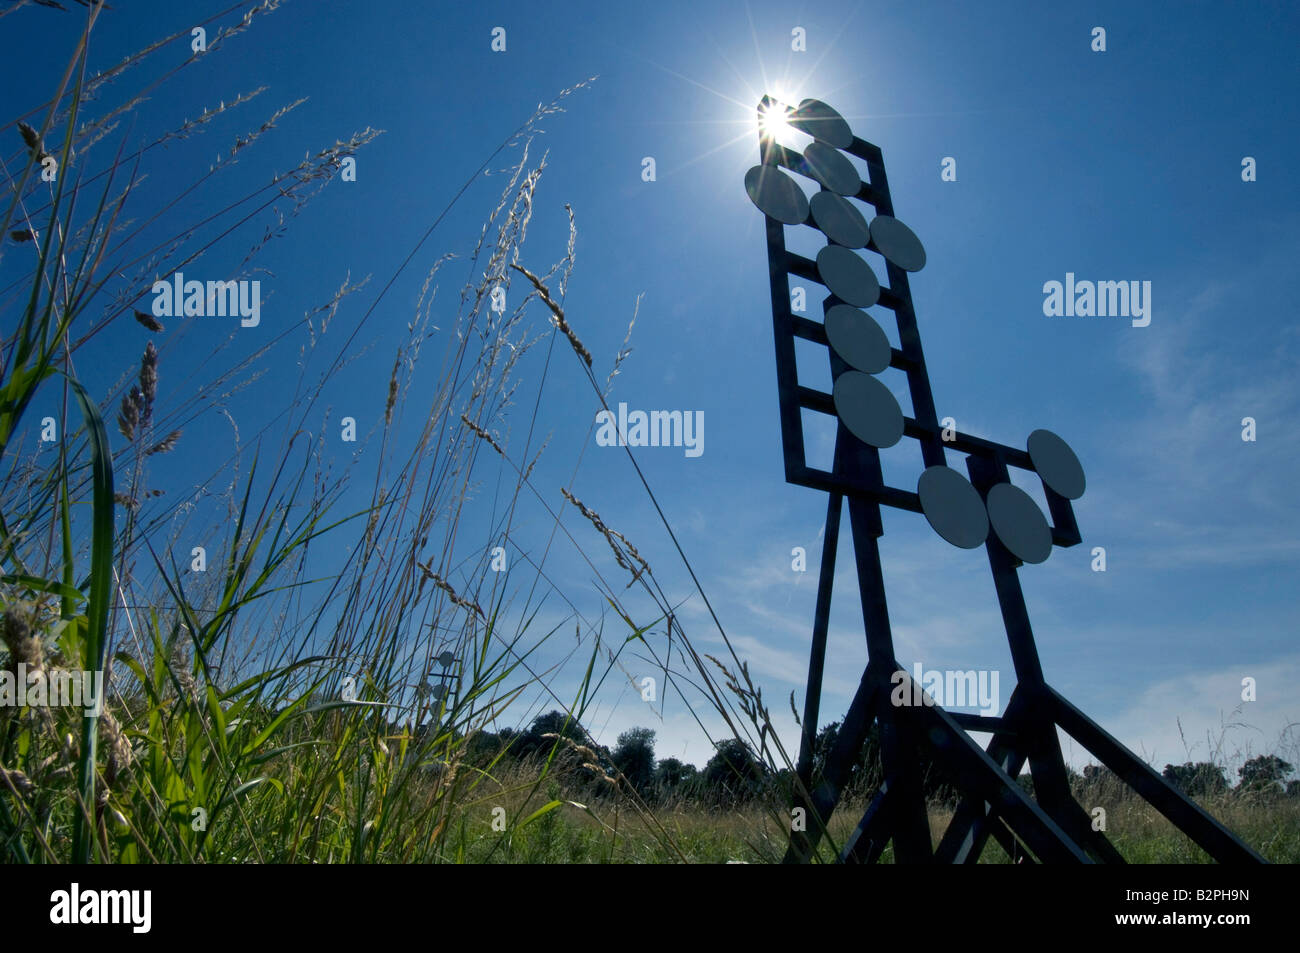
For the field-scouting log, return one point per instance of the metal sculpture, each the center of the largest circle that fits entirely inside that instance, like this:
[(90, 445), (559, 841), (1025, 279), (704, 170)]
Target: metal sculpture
[(986, 509)]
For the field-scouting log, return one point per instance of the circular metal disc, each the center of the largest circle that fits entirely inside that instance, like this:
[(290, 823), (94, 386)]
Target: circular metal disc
[(953, 507), (445, 659), (868, 409), (897, 242), (822, 123), (776, 194), (438, 691), (1056, 464), (858, 339), (1019, 523), (839, 220), (832, 168), (847, 276)]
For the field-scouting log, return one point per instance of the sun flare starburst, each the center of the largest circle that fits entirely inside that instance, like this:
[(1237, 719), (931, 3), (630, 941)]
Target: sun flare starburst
[(772, 118)]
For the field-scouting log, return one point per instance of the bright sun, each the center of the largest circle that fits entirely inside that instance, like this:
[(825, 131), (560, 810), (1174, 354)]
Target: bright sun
[(774, 121)]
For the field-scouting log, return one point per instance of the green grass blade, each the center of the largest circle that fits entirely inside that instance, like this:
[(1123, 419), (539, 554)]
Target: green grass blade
[(540, 812), (101, 576)]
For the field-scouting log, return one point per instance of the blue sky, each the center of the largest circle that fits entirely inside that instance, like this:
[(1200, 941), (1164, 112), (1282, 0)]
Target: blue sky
[(1115, 165)]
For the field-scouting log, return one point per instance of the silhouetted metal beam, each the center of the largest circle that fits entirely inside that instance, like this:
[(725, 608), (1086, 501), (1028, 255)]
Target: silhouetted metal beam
[(813, 691), (1053, 828), (868, 840), (1216, 840)]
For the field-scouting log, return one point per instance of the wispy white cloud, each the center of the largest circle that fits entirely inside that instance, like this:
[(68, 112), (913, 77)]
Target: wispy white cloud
[(1199, 716)]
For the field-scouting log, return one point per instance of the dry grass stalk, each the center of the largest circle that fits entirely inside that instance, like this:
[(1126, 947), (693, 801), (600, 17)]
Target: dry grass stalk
[(751, 702), (148, 320), (481, 434), (392, 392), (32, 138), (541, 450), (592, 760), (165, 445), (16, 780), (137, 406), (445, 586), (557, 311), (21, 638), (624, 351), (610, 536)]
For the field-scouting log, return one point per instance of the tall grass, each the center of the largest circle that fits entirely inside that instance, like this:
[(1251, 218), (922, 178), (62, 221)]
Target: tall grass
[(283, 705), (256, 711)]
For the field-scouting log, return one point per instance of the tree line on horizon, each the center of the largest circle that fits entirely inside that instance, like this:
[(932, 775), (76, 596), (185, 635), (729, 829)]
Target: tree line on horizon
[(736, 774)]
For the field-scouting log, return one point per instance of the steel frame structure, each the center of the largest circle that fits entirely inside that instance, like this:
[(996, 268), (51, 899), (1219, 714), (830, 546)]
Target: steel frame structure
[(1051, 826)]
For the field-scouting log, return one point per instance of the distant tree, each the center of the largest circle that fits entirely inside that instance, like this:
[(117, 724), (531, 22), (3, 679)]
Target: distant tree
[(482, 746), (1201, 778), (938, 781), (782, 784), (1026, 782), (734, 773), (1073, 780), (822, 746), (1264, 774), (864, 772), (1103, 781), (673, 777), (634, 755), (534, 740), (1293, 789)]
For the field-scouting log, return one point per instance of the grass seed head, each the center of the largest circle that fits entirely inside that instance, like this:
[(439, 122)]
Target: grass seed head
[(30, 136), (23, 643), (148, 320)]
